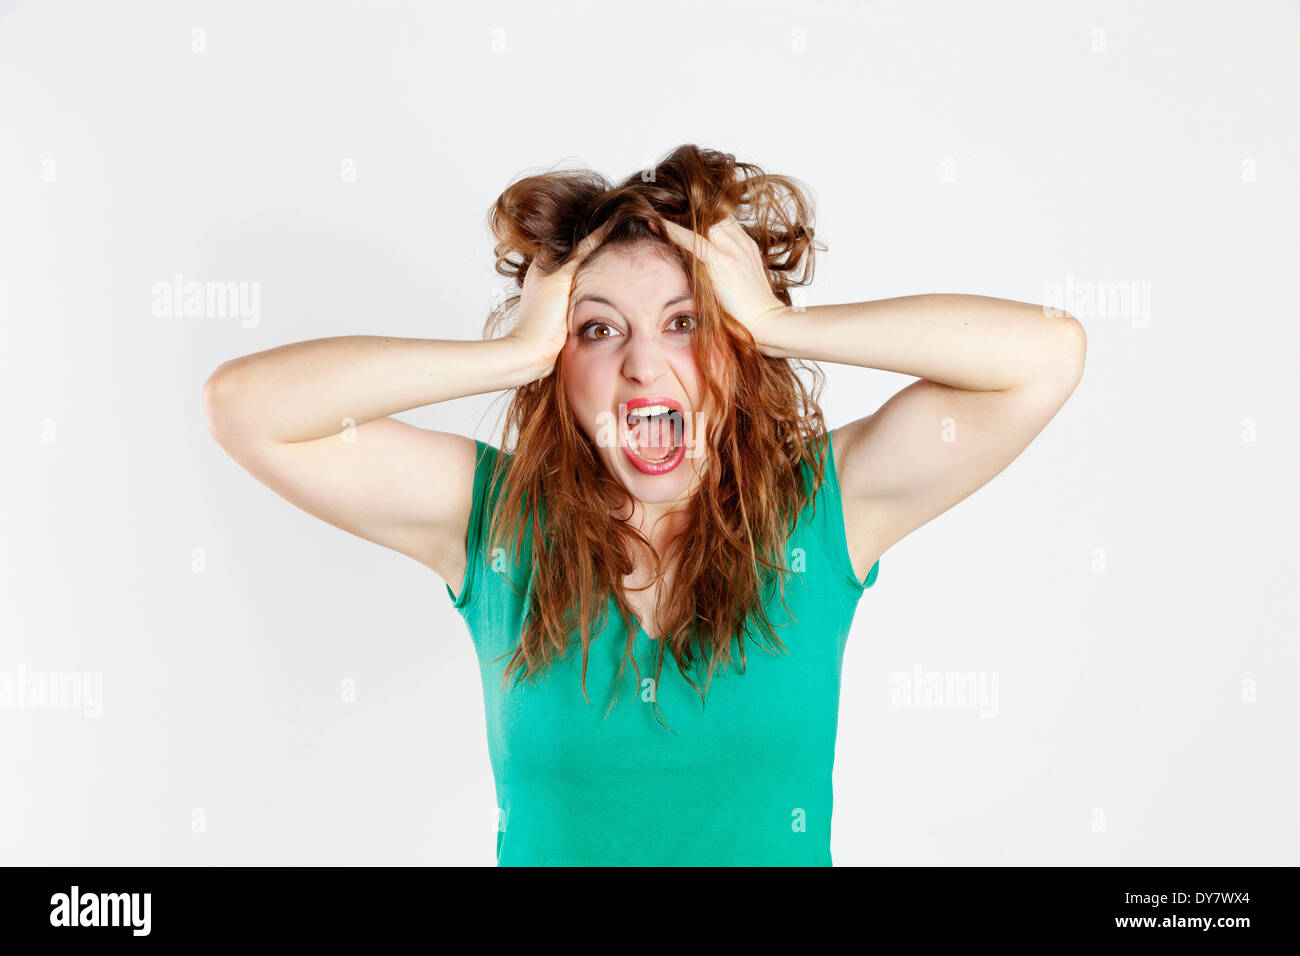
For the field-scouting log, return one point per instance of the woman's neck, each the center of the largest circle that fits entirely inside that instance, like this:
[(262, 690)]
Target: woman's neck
[(660, 522)]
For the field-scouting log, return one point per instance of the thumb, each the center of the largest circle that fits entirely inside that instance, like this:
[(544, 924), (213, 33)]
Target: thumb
[(586, 247)]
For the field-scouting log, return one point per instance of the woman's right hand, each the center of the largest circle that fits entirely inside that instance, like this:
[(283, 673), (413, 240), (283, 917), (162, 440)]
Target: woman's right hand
[(543, 322)]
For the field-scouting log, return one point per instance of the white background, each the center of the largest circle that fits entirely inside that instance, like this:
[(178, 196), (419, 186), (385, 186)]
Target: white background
[(1130, 580)]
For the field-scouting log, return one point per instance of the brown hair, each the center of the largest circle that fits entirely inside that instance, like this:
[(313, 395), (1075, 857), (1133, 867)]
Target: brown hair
[(751, 489)]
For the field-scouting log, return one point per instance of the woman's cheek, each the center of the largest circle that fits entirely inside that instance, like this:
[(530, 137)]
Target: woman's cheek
[(588, 396)]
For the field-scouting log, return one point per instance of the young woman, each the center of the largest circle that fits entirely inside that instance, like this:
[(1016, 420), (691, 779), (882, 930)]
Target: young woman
[(672, 491)]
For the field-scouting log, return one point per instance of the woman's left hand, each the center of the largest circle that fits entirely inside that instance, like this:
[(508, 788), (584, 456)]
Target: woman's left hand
[(739, 276)]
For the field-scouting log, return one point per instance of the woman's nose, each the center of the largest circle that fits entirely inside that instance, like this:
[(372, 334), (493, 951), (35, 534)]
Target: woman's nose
[(644, 361)]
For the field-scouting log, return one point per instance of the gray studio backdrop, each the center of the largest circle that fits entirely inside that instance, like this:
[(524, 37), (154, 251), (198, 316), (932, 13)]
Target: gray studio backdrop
[(1092, 660)]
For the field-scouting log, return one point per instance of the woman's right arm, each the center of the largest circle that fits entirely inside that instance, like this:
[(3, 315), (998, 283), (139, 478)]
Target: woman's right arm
[(310, 421)]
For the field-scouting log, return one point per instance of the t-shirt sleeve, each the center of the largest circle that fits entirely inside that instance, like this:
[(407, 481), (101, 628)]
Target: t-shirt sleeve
[(476, 532), (827, 521)]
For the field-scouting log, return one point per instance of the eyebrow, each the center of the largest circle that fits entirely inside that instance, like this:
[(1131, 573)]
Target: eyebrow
[(603, 301)]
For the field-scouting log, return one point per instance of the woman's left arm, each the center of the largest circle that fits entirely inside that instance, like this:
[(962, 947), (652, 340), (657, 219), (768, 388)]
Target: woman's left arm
[(993, 373)]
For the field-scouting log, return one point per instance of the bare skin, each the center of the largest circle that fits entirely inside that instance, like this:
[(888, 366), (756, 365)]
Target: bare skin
[(630, 332), (993, 373), (310, 420)]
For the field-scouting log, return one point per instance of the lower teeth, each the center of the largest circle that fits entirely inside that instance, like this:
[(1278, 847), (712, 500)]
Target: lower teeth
[(674, 432), (631, 443)]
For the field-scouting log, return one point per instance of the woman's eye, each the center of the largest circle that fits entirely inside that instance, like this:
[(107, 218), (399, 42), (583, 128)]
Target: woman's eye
[(594, 325), (592, 330)]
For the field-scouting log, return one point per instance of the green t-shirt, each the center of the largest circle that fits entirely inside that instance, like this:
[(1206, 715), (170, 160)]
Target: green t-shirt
[(743, 778)]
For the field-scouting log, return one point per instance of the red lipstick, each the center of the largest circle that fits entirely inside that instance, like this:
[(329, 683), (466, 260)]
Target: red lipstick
[(627, 434)]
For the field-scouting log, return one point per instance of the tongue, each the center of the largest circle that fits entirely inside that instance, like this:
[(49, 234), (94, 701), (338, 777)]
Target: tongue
[(654, 437)]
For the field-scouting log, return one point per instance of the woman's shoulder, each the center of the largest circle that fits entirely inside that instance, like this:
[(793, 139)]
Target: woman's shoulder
[(815, 447)]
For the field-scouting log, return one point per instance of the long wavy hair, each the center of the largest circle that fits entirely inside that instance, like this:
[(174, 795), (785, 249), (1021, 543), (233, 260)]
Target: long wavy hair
[(730, 553)]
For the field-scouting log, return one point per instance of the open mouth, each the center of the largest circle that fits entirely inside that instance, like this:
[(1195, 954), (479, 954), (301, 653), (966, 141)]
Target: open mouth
[(654, 436)]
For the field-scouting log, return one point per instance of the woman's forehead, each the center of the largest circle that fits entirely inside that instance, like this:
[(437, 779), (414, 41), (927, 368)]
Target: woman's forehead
[(652, 284), (618, 262)]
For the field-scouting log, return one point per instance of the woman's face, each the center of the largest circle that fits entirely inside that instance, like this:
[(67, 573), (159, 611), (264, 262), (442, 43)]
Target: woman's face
[(631, 327)]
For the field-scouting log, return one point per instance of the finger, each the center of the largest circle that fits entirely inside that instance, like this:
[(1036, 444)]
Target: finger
[(688, 239), (588, 245), (731, 228), (595, 238), (736, 238), (722, 233)]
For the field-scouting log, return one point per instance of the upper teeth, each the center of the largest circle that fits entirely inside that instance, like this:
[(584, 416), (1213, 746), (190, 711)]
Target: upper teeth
[(645, 411)]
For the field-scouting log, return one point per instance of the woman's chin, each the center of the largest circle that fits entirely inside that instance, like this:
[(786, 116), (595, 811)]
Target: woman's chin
[(655, 482)]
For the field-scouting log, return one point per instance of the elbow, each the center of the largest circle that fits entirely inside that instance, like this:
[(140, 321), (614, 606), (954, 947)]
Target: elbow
[(1073, 350), (216, 399), (1078, 338)]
